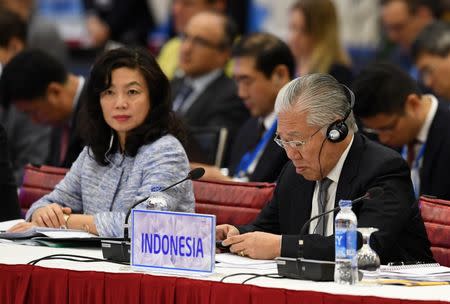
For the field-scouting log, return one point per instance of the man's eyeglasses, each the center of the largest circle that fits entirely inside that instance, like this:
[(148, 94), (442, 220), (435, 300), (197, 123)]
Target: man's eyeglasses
[(199, 41), (386, 129), (294, 144)]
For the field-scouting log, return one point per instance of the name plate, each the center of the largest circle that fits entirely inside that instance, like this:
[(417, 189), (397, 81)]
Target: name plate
[(173, 241)]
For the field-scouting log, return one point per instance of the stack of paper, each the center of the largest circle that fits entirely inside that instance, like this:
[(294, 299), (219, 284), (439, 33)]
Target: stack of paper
[(230, 260), (418, 272), (411, 275)]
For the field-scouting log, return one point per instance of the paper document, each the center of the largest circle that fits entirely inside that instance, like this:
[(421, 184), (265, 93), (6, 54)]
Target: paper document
[(231, 260), (418, 272), (55, 233)]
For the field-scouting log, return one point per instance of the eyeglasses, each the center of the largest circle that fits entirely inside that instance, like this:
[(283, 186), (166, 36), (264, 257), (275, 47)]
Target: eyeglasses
[(202, 42), (294, 144), (389, 128)]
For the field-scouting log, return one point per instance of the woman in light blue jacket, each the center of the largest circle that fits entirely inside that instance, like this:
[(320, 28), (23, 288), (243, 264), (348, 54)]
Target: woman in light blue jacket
[(131, 149)]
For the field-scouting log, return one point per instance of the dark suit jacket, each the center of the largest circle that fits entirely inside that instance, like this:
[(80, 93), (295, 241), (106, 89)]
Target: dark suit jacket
[(272, 160), (9, 207), (435, 171), (217, 106), (75, 144), (401, 235)]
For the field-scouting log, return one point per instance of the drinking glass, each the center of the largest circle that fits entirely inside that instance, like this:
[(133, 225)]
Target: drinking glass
[(368, 259)]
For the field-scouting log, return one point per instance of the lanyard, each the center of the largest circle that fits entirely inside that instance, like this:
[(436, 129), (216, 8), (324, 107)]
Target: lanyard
[(250, 156), (415, 174)]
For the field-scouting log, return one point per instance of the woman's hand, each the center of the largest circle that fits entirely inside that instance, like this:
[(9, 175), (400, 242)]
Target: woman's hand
[(51, 215), (20, 227)]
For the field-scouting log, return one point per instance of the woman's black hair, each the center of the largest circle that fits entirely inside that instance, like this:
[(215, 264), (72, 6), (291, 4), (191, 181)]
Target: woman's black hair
[(160, 120)]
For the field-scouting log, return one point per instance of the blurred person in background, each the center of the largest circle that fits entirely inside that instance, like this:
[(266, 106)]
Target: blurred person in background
[(314, 40), (40, 86), (124, 22), (431, 53), (182, 11), (28, 142), (42, 33), (403, 20), (263, 65), (205, 96), (391, 105)]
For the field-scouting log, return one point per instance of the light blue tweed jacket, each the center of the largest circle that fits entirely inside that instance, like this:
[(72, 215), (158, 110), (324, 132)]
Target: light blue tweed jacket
[(107, 192)]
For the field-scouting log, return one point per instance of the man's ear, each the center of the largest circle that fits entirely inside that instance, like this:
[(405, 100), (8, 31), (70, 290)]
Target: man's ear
[(54, 92), (280, 75), (412, 104)]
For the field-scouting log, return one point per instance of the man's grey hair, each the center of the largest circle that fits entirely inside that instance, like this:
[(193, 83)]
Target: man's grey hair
[(321, 96), (434, 40)]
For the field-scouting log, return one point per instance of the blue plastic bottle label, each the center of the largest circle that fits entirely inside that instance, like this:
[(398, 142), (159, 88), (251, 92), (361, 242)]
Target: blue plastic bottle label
[(341, 241), (345, 244)]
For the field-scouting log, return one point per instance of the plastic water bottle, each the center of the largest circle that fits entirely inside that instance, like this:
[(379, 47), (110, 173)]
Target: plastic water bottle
[(346, 269)]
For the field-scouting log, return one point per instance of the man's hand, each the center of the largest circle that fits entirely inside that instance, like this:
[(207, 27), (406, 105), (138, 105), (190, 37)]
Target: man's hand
[(225, 231), (256, 245), (51, 215)]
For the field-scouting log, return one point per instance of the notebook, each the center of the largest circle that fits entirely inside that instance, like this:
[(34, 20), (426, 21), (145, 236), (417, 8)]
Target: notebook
[(433, 272)]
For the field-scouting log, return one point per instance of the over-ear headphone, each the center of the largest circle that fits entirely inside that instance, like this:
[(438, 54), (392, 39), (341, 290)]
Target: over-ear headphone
[(338, 130)]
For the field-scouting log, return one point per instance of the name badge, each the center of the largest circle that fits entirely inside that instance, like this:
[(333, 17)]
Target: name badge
[(173, 241)]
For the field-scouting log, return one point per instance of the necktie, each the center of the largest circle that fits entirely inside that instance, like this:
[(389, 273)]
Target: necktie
[(323, 198), (260, 129), (182, 96), (411, 154)]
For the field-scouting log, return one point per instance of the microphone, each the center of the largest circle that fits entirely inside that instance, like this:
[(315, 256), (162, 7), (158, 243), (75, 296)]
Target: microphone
[(192, 175), (305, 269), (118, 249)]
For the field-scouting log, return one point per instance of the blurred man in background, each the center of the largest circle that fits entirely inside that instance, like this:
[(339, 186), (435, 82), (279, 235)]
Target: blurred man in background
[(182, 11), (205, 96), (263, 65), (403, 118), (431, 52), (403, 20), (28, 142)]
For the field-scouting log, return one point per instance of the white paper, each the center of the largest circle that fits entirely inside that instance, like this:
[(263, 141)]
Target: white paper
[(419, 272), (231, 260), (8, 224), (66, 234)]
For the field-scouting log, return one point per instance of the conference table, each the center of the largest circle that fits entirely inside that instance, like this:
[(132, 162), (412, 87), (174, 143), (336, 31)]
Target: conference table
[(62, 281)]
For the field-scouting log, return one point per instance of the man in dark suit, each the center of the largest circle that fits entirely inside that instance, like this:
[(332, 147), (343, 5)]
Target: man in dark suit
[(431, 53), (416, 124), (263, 64), (28, 142), (316, 127), (9, 207), (205, 96), (39, 85)]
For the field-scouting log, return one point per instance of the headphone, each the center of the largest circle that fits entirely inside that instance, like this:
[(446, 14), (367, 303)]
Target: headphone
[(338, 130)]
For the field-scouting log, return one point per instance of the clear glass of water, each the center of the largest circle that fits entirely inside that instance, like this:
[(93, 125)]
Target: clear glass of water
[(368, 259)]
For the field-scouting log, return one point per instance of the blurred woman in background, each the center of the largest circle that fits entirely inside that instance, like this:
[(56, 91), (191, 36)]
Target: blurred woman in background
[(314, 40)]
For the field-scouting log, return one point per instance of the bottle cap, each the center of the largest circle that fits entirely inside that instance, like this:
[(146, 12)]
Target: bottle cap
[(345, 203)]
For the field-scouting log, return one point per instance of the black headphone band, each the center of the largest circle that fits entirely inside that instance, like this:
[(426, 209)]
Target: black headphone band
[(351, 99)]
